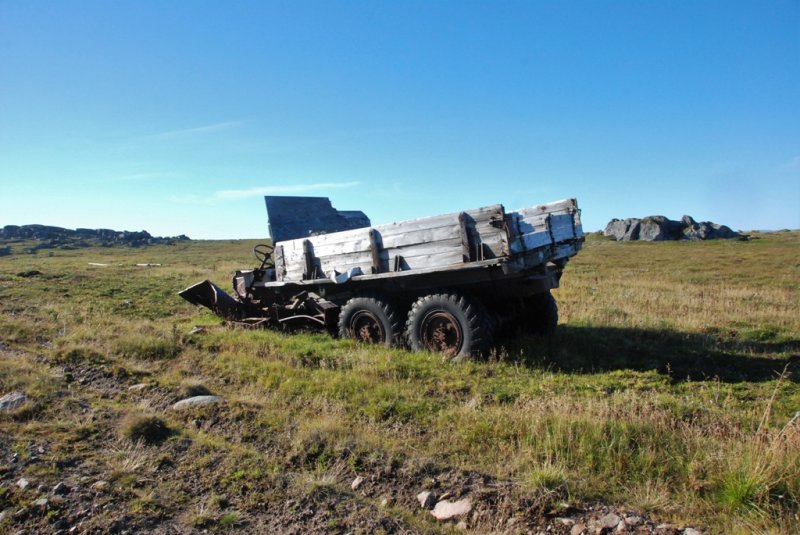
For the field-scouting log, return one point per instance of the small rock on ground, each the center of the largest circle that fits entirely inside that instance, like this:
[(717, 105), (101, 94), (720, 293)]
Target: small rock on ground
[(426, 499), (577, 529), (609, 521), (446, 509), (356, 483), (11, 401), (196, 401)]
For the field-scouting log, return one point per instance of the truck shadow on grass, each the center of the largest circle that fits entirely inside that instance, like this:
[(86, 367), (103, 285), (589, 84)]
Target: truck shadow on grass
[(682, 356)]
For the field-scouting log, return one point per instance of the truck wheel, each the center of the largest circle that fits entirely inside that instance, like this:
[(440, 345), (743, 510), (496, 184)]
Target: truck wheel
[(541, 314), (371, 320), (448, 323)]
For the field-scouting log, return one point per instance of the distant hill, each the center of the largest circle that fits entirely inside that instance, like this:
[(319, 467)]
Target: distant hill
[(49, 237)]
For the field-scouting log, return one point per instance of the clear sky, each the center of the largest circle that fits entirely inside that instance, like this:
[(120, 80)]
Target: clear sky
[(176, 117)]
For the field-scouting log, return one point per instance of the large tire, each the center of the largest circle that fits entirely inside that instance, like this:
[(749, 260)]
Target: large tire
[(540, 314), (371, 320), (448, 323)]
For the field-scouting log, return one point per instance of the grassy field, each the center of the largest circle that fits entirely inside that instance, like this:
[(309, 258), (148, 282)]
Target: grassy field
[(670, 389)]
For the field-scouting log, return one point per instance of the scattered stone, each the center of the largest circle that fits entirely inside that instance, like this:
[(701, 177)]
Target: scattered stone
[(29, 273), (99, 486), (356, 483), (41, 503), (387, 501), (23, 483), (196, 401), (462, 525), (5, 514), (41, 488), (61, 489), (197, 330), (567, 522), (11, 401), (633, 520), (691, 531), (577, 529), (446, 509), (138, 387), (427, 499), (610, 521)]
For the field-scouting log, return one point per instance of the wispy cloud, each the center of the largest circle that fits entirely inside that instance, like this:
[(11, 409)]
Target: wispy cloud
[(136, 177), (197, 130), (281, 189), (236, 194), (792, 164)]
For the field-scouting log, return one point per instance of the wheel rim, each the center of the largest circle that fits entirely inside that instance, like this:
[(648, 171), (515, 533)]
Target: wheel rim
[(442, 332), (367, 327)]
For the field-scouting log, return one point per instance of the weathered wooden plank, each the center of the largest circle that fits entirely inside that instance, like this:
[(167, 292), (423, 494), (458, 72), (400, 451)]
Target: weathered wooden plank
[(411, 249), (421, 236), (565, 205), (478, 215), (441, 246), (442, 259)]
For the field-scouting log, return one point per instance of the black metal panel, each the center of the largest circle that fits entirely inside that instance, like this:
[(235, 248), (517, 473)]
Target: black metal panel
[(300, 217)]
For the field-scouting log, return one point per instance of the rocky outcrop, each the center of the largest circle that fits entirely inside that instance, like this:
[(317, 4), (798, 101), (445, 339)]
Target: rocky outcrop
[(660, 228), (50, 237)]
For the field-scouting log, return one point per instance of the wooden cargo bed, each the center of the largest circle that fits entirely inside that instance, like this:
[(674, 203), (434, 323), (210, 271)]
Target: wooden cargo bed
[(521, 240)]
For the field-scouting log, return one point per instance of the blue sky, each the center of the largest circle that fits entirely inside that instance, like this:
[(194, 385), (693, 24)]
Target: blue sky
[(178, 116)]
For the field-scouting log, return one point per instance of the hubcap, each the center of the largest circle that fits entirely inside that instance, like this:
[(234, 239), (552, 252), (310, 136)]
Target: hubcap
[(366, 327), (442, 332)]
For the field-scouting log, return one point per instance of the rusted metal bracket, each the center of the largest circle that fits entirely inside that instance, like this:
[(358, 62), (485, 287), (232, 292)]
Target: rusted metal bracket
[(466, 245), (375, 249), (308, 260)]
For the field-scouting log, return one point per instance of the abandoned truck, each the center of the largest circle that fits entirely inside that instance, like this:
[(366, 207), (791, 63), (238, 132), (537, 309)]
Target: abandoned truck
[(446, 283)]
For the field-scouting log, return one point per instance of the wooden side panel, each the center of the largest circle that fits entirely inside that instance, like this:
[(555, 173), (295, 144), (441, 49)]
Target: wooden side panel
[(546, 225), (422, 243)]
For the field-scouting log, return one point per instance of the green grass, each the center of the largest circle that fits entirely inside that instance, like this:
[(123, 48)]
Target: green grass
[(662, 390)]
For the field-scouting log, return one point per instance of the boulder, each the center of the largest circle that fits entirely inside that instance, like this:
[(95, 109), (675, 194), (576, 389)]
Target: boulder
[(660, 228)]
